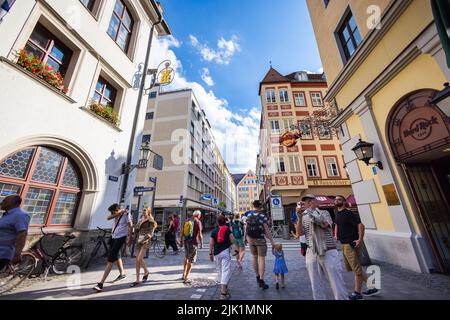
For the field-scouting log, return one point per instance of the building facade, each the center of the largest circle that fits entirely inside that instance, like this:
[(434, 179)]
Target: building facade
[(65, 135), (315, 164), (193, 175), (246, 191), (383, 78)]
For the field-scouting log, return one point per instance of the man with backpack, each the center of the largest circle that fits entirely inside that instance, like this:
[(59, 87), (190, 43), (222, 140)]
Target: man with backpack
[(191, 235), (237, 228), (255, 228)]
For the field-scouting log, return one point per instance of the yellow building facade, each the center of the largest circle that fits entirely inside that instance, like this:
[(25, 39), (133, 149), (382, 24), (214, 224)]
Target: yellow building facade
[(385, 64)]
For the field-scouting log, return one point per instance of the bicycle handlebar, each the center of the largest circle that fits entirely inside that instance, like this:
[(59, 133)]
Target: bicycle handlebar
[(103, 230)]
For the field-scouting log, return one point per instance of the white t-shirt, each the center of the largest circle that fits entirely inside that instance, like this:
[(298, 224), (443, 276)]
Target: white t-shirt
[(122, 228)]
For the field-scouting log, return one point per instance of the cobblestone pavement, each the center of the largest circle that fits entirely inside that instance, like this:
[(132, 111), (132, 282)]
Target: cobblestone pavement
[(165, 284)]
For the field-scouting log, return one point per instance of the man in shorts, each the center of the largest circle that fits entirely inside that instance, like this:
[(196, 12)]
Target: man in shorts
[(255, 228), (190, 243), (122, 230), (350, 232)]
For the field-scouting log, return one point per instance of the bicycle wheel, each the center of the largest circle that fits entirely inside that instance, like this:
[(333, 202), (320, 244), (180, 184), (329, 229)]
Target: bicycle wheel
[(158, 248), (13, 275), (93, 254), (68, 257)]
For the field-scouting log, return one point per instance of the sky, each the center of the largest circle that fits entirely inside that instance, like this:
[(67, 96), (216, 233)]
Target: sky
[(222, 49)]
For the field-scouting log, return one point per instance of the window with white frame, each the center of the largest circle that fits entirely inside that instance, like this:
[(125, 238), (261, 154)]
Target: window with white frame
[(316, 98), (288, 124), (281, 165), (294, 163), (300, 100), (332, 167), (275, 126), (284, 96), (312, 167), (271, 97)]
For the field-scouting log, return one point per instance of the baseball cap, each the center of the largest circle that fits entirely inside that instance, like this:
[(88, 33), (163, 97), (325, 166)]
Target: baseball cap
[(308, 196)]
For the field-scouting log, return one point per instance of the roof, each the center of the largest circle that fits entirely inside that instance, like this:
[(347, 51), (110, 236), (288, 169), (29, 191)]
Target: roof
[(238, 177), (311, 76), (274, 76)]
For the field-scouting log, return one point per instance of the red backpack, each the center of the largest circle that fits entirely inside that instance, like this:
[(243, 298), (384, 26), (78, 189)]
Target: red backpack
[(221, 234)]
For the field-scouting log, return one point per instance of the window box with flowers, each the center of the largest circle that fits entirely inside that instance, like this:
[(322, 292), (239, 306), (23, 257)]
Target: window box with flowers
[(41, 70), (105, 111)]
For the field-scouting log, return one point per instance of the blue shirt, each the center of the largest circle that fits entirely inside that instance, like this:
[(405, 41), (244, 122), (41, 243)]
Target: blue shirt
[(12, 223)]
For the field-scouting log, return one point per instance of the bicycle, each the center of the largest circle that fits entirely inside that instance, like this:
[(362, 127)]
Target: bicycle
[(101, 241), (13, 274), (158, 246)]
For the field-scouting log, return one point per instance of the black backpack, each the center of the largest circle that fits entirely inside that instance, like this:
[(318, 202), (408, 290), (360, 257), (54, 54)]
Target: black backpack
[(254, 228)]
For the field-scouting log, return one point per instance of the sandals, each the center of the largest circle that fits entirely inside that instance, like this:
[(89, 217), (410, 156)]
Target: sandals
[(145, 277), (134, 284)]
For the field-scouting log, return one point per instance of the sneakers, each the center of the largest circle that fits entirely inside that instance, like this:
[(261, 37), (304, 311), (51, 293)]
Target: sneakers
[(98, 287), (356, 296), (277, 286), (263, 285), (371, 292), (120, 278)]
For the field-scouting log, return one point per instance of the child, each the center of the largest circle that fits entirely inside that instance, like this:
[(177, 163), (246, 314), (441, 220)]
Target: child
[(280, 267)]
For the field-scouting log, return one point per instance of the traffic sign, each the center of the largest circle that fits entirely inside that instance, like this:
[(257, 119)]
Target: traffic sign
[(152, 179)]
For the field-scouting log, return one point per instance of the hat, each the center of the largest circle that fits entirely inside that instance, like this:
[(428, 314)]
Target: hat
[(308, 196)]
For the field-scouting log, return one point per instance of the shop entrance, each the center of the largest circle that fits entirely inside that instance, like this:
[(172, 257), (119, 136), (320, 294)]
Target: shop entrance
[(419, 135)]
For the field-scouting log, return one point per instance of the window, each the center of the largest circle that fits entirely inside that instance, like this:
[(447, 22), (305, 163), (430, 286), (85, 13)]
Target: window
[(190, 179), (149, 115), (197, 184), (104, 93), (192, 128), (201, 187), (305, 128), (146, 138), (89, 4), (294, 163), (349, 36), (275, 126), (316, 98), (191, 154), (121, 25), (300, 100), (332, 168), (326, 2), (312, 167), (281, 166), (324, 132), (48, 182), (284, 96), (48, 49), (271, 97), (288, 124)]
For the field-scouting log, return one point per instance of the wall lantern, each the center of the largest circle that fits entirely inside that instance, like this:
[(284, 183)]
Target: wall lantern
[(442, 98), (364, 152), (143, 161)]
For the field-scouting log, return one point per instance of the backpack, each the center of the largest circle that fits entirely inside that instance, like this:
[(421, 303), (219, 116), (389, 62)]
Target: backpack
[(221, 234), (238, 231), (254, 228), (188, 230)]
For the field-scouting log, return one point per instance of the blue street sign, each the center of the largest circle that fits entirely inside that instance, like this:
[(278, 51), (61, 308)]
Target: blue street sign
[(143, 189), (113, 178), (206, 196), (152, 179)]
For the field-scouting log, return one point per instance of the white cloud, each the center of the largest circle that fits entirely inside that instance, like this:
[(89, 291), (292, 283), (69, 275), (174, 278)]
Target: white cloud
[(236, 134), (206, 77), (224, 52), (320, 70)]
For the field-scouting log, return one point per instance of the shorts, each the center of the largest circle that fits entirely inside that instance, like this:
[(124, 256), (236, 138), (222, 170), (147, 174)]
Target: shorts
[(115, 249), (190, 251), (240, 242), (351, 259), (258, 247)]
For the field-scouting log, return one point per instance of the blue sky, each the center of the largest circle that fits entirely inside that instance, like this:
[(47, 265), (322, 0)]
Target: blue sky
[(251, 33)]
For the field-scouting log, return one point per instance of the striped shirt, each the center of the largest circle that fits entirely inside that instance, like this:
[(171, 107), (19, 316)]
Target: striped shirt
[(306, 223)]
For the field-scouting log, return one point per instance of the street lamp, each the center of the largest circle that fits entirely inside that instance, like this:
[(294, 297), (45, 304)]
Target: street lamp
[(364, 152), (143, 161)]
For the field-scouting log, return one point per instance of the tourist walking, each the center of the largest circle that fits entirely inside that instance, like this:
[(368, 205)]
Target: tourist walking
[(256, 227), (220, 243), (191, 235), (13, 230), (279, 269), (122, 230), (144, 233), (350, 233), (237, 228), (170, 236), (322, 258)]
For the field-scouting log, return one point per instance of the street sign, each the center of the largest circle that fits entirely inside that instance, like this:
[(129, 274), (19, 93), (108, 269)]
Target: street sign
[(277, 209), (152, 179), (143, 189), (158, 162), (206, 196), (180, 204), (113, 178)]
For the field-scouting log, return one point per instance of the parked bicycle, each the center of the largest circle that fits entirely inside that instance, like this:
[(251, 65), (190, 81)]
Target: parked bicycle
[(158, 246), (40, 259), (102, 242)]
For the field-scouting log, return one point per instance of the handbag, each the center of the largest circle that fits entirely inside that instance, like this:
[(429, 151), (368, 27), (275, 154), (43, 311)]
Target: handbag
[(115, 227)]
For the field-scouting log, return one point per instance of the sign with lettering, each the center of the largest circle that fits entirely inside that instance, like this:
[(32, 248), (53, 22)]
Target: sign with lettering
[(113, 178), (327, 183), (276, 208), (391, 195)]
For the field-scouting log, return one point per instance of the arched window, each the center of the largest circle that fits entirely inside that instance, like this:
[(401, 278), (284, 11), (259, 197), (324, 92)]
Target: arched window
[(48, 182), (121, 25)]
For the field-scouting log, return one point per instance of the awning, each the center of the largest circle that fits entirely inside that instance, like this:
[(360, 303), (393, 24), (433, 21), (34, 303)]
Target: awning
[(325, 202), (351, 201)]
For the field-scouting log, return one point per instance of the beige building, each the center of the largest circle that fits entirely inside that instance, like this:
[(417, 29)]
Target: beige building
[(315, 164), (194, 173), (246, 191)]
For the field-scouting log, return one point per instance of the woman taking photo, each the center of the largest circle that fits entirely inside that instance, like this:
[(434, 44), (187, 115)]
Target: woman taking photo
[(144, 232)]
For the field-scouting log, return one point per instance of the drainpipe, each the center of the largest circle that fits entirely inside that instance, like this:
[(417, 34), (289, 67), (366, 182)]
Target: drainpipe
[(132, 143)]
